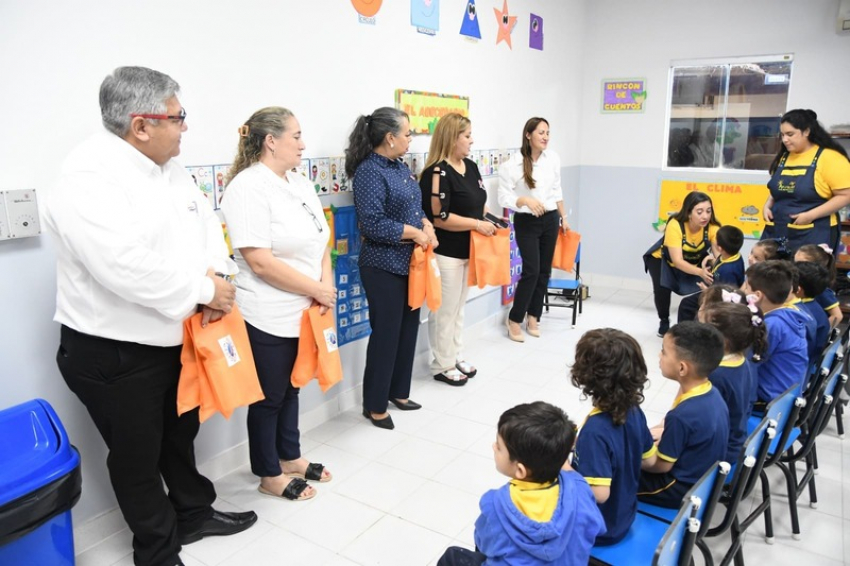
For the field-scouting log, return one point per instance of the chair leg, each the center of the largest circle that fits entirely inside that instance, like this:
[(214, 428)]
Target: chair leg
[(810, 478), (790, 474), (768, 514), (839, 419), (708, 560)]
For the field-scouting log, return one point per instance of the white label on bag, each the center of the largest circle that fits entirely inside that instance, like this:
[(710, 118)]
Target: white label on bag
[(330, 340), (434, 267), (228, 348)]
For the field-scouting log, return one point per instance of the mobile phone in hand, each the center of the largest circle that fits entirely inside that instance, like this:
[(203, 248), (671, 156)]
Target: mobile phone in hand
[(492, 218)]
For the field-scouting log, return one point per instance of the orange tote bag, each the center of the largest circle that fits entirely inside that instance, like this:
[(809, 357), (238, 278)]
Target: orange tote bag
[(490, 259), (218, 367), (566, 249), (318, 351), (424, 282)]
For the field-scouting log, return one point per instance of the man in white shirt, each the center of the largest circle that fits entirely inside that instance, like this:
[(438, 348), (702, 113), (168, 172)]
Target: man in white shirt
[(138, 250)]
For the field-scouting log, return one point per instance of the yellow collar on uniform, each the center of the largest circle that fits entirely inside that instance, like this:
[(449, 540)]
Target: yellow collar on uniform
[(701, 389), (735, 257)]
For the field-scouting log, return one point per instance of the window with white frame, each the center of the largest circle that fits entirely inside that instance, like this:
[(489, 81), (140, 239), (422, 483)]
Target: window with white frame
[(724, 114)]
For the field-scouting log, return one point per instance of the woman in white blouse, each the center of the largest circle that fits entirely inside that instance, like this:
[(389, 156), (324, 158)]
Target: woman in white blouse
[(530, 185), (278, 229)]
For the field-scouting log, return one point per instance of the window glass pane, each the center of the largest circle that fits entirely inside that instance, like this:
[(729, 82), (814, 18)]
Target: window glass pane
[(758, 95), (694, 114)]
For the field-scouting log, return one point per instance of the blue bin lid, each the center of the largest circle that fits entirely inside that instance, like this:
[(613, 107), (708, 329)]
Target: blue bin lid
[(34, 449)]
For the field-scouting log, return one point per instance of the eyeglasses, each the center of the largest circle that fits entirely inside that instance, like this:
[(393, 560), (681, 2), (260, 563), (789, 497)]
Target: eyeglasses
[(180, 117), (313, 216)]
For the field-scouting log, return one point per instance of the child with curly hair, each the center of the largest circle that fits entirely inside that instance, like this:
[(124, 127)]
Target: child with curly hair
[(614, 443)]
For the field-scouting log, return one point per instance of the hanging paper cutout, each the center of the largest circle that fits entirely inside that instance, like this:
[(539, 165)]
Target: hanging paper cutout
[(470, 27), (425, 15), (367, 8), (506, 24), (535, 32)]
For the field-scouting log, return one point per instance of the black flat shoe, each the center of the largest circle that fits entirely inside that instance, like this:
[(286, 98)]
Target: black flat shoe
[(386, 423), (409, 406), (221, 523)]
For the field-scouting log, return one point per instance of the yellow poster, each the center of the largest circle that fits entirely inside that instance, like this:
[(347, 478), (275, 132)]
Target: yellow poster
[(734, 204), (426, 108)]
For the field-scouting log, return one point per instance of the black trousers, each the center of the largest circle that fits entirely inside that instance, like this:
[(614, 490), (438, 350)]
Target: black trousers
[(662, 490), (536, 237), (392, 344), (273, 422), (659, 293), (130, 391), (459, 556)]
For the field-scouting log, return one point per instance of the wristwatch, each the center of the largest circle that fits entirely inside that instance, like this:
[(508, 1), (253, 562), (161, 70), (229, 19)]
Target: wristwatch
[(224, 276)]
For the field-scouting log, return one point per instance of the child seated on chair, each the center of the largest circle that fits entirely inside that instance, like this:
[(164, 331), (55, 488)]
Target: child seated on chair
[(729, 267), (545, 514), (614, 441), (813, 279), (696, 429), (822, 254), (786, 361), (736, 378)]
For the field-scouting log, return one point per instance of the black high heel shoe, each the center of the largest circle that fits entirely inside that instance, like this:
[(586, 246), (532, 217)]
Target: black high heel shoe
[(409, 406), (386, 423)]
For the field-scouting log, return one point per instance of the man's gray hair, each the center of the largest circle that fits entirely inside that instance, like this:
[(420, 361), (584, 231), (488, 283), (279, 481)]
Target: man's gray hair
[(133, 90)]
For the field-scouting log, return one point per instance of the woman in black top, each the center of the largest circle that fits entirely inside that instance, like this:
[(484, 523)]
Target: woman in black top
[(454, 198)]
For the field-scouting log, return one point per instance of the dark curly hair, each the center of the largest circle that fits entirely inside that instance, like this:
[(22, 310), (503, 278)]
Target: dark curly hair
[(610, 369)]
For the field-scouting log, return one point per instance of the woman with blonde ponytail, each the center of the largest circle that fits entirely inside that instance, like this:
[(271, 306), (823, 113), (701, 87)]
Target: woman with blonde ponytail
[(280, 236)]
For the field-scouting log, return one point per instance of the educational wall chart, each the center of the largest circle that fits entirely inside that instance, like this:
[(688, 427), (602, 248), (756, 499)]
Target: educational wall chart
[(623, 96), (426, 108), (535, 32), (508, 291), (425, 16), (735, 204), (204, 180), (220, 174), (469, 26), (506, 24), (352, 308), (320, 174)]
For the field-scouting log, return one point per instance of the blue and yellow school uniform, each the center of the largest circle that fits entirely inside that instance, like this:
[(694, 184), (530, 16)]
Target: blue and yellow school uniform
[(827, 300), (608, 454), (696, 434), (821, 326), (736, 381), (729, 271), (787, 360)]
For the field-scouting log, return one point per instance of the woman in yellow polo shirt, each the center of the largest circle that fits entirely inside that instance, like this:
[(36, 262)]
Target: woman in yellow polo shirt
[(676, 262), (810, 182)]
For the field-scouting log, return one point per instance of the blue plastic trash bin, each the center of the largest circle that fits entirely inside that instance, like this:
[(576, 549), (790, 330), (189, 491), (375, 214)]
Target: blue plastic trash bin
[(39, 484)]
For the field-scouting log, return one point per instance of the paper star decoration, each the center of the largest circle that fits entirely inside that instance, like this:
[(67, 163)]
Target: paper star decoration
[(506, 24)]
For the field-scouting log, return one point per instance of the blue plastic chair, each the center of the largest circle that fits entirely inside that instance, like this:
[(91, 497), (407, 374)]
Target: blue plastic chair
[(567, 290), (652, 540)]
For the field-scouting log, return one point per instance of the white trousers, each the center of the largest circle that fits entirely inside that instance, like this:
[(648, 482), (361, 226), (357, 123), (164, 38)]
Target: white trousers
[(445, 327)]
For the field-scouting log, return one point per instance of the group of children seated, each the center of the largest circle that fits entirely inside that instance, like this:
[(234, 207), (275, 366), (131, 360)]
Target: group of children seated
[(753, 338)]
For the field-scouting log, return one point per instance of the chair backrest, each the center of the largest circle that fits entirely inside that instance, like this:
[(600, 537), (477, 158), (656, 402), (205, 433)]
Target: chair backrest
[(829, 398), (699, 502), (783, 412), (814, 386), (578, 255)]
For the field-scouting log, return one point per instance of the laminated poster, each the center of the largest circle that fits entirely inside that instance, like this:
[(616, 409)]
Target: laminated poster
[(320, 175), (367, 10), (469, 27), (535, 32), (425, 16), (203, 178), (506, 24), (219, 174)]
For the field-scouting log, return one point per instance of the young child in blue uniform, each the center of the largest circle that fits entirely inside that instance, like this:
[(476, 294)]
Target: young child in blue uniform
[(696, 429), (822, 255), (813, 280), (545, 514), (786, 361), (729, 267), (614, 441), (736, 378)]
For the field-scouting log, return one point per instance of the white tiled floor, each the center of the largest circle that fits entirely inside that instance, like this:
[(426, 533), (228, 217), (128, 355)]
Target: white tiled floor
[(401, 497)]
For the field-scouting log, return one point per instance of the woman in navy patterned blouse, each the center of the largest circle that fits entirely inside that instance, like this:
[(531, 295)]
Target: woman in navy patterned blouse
[(388, 202)]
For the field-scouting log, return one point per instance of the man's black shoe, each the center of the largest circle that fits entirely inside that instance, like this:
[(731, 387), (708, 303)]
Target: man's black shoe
[(221, 523)]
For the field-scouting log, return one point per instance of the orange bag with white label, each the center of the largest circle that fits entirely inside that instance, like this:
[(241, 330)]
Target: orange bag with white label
[(490, 258), (424, 282), (218, 372), (318, 351)]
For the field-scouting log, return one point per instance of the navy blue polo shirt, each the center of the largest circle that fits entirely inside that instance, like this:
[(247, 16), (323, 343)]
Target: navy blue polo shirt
[(736, 381), (610, 455), (821, 319), (827, 300), (696, 433), (386, 197), (729, 271)]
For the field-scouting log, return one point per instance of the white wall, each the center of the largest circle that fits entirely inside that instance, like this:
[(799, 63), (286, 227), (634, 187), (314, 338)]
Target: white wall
[(230, 59), (621, 155)]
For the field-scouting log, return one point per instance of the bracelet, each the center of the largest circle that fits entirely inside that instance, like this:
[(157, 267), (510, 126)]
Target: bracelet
[(477, 224)]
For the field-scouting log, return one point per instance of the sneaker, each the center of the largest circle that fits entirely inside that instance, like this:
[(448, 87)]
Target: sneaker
[(663, 327)]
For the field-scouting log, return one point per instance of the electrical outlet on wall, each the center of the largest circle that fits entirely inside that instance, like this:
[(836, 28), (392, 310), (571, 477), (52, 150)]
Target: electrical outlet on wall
[(19, 218)]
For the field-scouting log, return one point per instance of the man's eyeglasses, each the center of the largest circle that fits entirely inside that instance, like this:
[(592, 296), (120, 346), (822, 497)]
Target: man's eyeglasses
[(313, 216), (180, 117)]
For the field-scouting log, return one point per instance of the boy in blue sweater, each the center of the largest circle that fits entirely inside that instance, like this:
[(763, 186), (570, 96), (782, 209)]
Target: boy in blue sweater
[(545, 514), (786, 361)]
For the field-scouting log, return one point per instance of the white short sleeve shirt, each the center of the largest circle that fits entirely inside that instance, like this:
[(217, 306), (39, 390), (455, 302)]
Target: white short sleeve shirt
[(262, 210)]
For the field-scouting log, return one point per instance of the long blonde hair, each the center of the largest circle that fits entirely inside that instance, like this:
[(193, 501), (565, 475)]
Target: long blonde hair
[(445, 136), (252, 135)]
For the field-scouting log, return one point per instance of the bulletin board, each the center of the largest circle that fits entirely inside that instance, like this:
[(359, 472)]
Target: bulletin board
[(352, 308), (508, 291), (735, 204)]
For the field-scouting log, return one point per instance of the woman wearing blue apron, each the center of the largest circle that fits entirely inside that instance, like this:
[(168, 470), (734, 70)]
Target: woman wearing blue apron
[(675, 262), (810, 182)]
